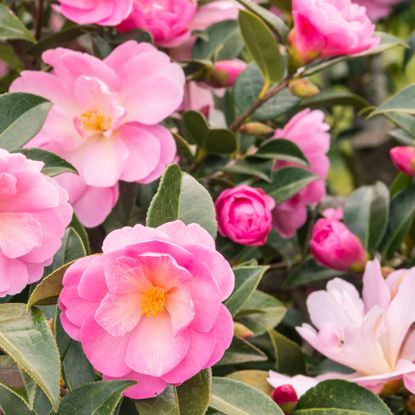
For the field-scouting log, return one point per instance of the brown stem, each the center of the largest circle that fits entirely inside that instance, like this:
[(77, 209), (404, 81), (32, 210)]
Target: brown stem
[(39, 17), (236, 125)]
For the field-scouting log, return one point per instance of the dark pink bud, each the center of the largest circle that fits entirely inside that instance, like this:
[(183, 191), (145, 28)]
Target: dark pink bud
[(284, 394), (224, 73), (404, 159)]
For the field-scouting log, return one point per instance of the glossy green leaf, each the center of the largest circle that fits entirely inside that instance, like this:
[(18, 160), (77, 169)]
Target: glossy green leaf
[(54, 164), (232, 397), (242, 351), (246, 282), (366, 214), (309, 272), (327, 99), (402, 213), (21, 118), (12, 404), (338, 397), (11, 27), (289, 357), (219, 41), (271, 19), (262, 46), (282, 150), (254, 378), (191, 398), (402, 102), (287, 182), (98, 398), (26, 337), (252, 167)]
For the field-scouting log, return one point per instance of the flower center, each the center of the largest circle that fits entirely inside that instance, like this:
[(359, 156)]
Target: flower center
[(153, 302), (95, 122)]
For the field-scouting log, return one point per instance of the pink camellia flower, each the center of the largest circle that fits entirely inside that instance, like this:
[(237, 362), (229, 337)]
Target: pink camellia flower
[(373, 335), (92, 204), (106, 114), (34, 212), (244, 215), (377, 9), (167, 20), (225, 73), (404, 159), (102, 12), (198, 97), (150, 308), (335, 246), (308, 130), (327, 28)]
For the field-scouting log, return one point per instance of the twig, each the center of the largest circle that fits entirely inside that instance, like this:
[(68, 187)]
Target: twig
[(236, 125)]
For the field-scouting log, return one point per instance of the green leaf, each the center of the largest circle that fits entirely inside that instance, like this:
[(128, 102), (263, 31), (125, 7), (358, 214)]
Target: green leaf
[(98, 398), (242, 351), (262, 46), (165, 205), (220, 41), (21, 118), (246, 282), (271, 19), (287, 182), (213, 141), (12, 404), (252, 167), (282, 149), (366, 214), (54, 164), (26, 337), (289, 358), (402, 102), (328, 99), (11, 27), (191, 398), (309, 272), (338, 397), (254, 378), (261, 312), (402, 211), (387, 42), (246, 90), (180, 196), (232, 397)]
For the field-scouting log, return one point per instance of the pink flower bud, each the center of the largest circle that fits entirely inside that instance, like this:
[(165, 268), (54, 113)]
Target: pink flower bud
[(286, 397), (335, 246), (225, 73), (404, 159), (333, 213)]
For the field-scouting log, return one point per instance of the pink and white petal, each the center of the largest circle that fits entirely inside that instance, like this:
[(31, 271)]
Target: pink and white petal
[(375, 288), (147, 386), (223, 329), (118, 314), (202, 346), (217, 265), (119, 58), (106, 353), (300, 383), (168, 151), (153, 349), (180, 307), (144, 152), (183, 234)]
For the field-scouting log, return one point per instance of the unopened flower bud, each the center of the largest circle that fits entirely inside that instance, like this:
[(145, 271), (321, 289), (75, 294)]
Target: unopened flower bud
[(242, 331), (224, 73), (285, 397), (303, 88), (257, 129), (404, 159)]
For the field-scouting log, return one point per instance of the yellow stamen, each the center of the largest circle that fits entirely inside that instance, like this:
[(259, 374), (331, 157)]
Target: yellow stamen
[(153, 301), (95, 122)]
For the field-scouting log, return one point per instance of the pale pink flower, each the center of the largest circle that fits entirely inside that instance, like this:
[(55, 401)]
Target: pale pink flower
[(403, 157), (102, 12), (373, 334), (34, 212), (244, 215), (150, 308), (198, 97), (91, 204), (106, 114), (327, 28), (308, 130), (335, 246), (167, 20), (377, 9)]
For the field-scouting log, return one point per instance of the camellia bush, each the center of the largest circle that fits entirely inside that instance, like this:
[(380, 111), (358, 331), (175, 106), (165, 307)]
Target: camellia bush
[(207, 207)]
